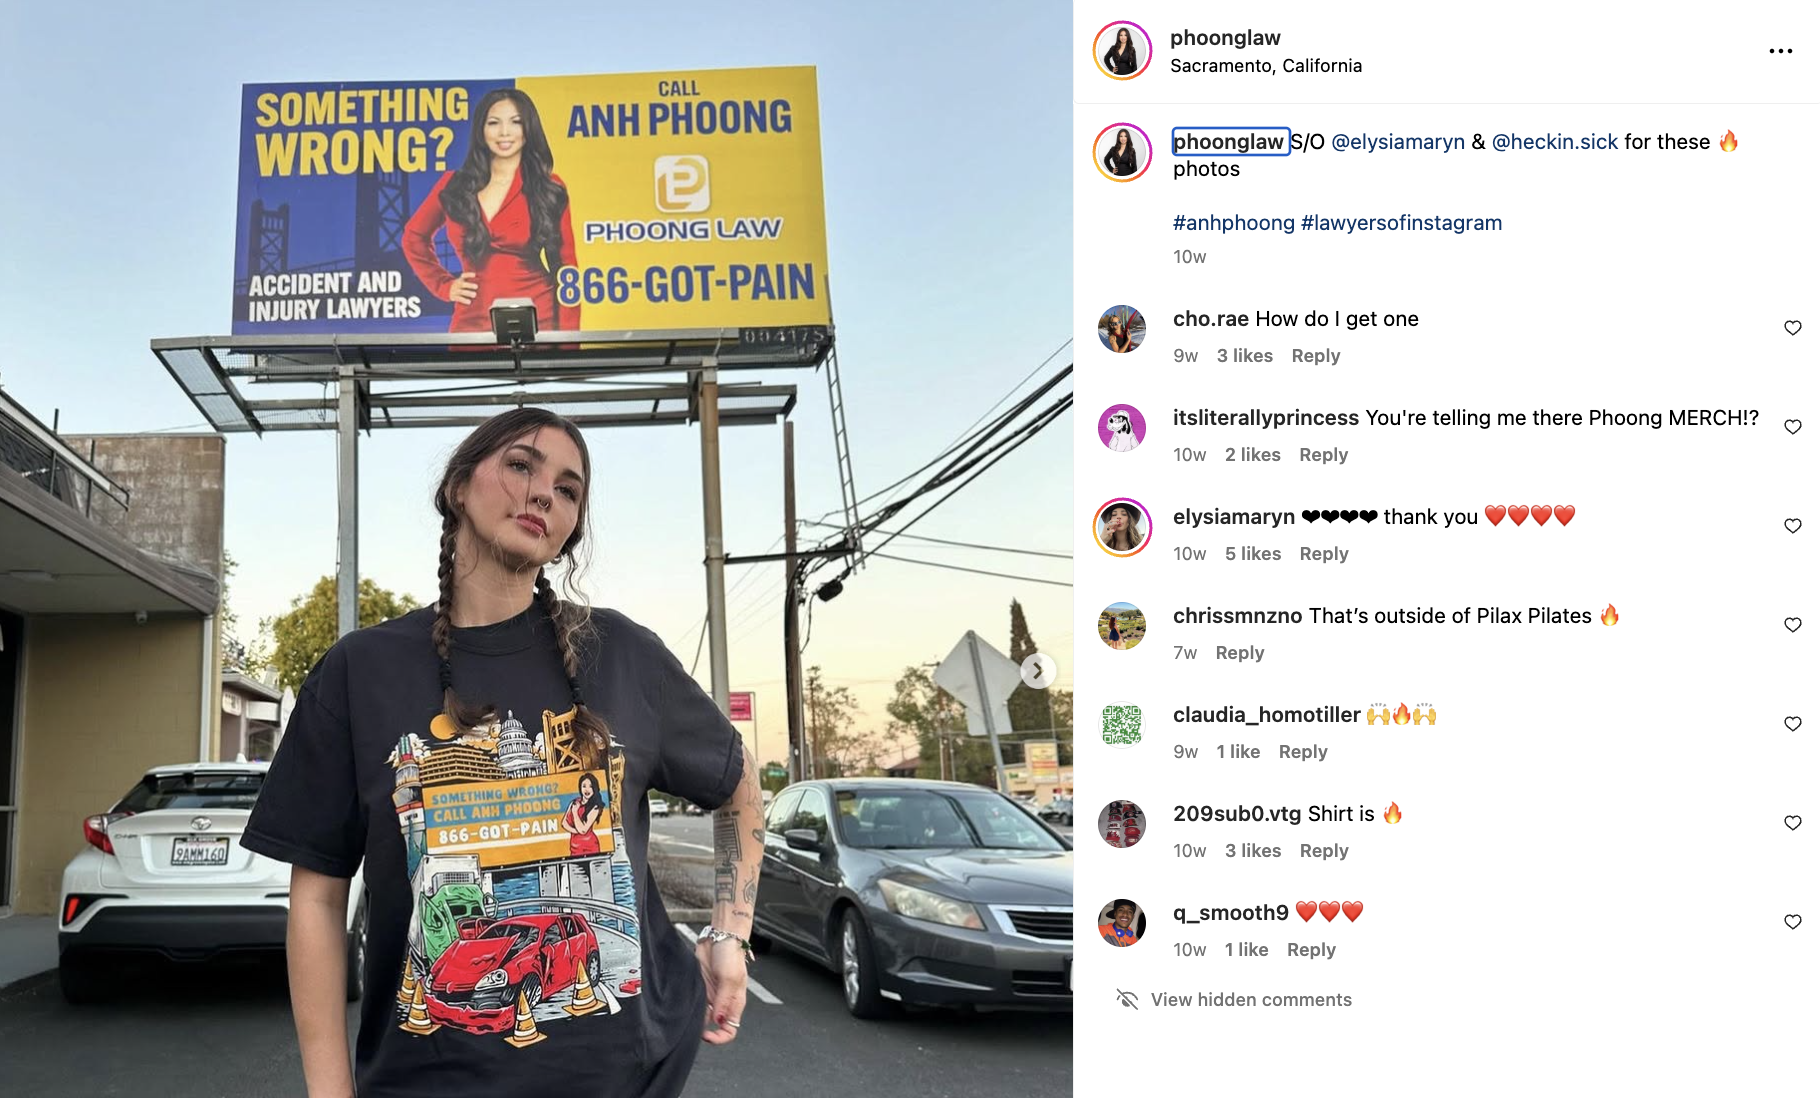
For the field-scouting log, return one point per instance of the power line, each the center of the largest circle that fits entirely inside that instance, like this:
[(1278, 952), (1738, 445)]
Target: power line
[(964, 544), (962, 464), (965, 434), (1004, 448), (975, 571)]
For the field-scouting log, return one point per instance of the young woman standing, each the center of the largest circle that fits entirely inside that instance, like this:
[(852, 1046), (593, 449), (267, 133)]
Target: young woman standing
[(573, 980)]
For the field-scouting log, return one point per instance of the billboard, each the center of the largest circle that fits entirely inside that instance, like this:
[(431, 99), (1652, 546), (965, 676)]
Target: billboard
[(612, 202), (739, 706), (1044, 760)]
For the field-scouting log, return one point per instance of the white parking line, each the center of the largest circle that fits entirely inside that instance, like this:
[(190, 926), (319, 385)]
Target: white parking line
[(668, 841), (753, 987)]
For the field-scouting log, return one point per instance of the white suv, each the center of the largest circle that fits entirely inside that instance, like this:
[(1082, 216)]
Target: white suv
[(164, 873)]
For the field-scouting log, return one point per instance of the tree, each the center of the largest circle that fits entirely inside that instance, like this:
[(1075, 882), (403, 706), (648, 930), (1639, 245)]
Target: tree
[(931, 714), (233, 652), (300, 637), (1029, 708), (831, 713)]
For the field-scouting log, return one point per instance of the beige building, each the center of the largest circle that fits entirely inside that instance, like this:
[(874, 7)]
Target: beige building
[(249, 718), (110, 558)]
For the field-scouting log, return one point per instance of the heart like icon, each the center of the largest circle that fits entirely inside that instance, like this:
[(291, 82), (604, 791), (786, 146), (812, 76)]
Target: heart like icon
[(1793, 525), (1369, 516), (1793, 327), (1543, 512), (1305, 908), (1792, 624), (1519, 512), (1353, 908), (1793, 723), (1793, 425), (1329, 909), (1495, 513), (1564, 513), (1793, 921), (1792, 822)]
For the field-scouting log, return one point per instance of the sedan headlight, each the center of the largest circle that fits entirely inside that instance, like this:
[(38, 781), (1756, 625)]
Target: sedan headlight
[(495, 978), (917, 903)]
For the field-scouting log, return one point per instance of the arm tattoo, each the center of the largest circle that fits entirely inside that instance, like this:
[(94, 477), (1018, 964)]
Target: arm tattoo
[(726, 853)]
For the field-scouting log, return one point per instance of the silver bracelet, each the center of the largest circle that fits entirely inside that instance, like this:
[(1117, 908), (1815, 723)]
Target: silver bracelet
[(712, 934)]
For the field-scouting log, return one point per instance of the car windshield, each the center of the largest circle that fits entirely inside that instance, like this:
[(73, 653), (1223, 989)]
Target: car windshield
[(156, 791), (892, 819), (518, 931)]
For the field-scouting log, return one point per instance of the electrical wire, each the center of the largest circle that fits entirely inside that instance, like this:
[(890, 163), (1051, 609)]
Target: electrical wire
[(975, 571), (965, 434), (996, 453), (965, 544)]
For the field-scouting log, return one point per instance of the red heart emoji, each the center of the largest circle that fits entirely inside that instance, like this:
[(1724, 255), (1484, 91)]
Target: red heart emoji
[(1518, 512), (1329, 909), (1495, 513), (1352, 908), (1564, 513), (1305, 909), (1541, 511)]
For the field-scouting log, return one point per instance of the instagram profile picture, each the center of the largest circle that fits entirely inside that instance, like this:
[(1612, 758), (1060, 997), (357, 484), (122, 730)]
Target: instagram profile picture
[(1121, 152), (1122, 329), (1122, 50), (1122, 724), (1121, 626), (1121, 428), (1121, 824), (1122, 922), (1122, 527)]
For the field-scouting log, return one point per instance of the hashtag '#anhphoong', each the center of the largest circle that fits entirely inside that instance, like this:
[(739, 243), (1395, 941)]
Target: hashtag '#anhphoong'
[(1180, 220)]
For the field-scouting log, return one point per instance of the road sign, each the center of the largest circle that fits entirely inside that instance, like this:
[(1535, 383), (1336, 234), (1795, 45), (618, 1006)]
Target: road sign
[(994, 676), (739, 706), (981, 678)]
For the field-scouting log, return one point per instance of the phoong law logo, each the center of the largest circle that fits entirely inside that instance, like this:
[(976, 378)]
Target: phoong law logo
[(682, 184)]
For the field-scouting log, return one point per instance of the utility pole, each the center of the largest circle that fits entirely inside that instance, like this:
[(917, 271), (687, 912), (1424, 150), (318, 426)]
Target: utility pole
[(793, 647), (708, 395)]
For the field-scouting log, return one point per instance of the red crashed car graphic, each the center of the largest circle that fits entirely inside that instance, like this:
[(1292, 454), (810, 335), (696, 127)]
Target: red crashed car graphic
[(476, 984)]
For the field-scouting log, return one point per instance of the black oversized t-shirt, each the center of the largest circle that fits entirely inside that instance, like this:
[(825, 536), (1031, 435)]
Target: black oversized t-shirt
[(516, 942)]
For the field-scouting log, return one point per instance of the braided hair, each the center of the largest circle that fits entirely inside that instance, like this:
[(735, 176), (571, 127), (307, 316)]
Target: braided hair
[(570, 621)]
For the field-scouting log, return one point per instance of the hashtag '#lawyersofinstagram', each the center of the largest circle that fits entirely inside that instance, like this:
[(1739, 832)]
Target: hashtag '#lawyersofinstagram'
[(1307, 221), (1180, 220)]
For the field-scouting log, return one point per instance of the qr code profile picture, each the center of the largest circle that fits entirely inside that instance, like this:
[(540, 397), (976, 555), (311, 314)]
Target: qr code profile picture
[(1122, 725)]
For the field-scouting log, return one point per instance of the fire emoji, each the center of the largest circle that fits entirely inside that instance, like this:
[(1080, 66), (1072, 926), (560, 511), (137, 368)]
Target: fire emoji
[(1729, 142), (1392, 815), (1402, 716), (1610, 617)]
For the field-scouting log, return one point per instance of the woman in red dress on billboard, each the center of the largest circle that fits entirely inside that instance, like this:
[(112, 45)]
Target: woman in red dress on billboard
[(507, 217)]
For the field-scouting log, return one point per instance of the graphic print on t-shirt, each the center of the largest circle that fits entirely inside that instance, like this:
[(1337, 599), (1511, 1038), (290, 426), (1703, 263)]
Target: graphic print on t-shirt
[(524, 908)]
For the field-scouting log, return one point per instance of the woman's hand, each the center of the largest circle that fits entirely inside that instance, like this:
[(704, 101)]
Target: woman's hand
[(723, 970), (465, 288)]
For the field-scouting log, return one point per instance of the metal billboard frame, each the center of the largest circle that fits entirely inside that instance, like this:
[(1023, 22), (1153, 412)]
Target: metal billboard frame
[(594, 365)]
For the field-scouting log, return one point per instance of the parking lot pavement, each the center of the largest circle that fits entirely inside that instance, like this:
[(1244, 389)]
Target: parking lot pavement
[(808, 1046), (224, 1031)]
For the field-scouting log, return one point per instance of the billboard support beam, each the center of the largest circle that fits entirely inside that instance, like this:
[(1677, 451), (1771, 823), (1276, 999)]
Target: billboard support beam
[(708, 388), (793, 649), (347, 504)]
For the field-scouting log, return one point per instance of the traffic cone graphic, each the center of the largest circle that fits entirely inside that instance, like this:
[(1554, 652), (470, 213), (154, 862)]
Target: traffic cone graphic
[(585, 1001), (419, 1020), (524, 1033), (407, 987)]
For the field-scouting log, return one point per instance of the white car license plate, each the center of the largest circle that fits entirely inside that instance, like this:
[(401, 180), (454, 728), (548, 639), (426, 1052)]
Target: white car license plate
[(199, 851)]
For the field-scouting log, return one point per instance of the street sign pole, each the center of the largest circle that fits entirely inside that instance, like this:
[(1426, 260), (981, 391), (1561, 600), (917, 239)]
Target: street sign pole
[(979, 680)]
